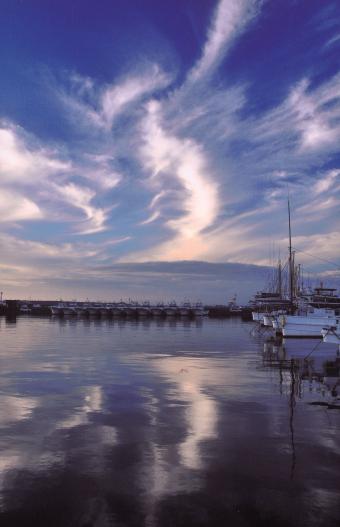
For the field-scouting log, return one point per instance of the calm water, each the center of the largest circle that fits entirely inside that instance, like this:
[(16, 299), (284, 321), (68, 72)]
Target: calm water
[(165, 424)]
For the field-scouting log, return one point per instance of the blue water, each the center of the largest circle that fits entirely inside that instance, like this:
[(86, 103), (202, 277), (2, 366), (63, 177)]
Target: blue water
[(158, 423)]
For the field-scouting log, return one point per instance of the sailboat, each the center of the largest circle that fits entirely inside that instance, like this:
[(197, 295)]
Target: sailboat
[(308, 314)]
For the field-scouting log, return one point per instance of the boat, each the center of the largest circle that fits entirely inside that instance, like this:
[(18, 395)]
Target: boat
[(323, 297), (198, 309), (185, 309), (144, 310), (57, 309), (279, 300), (171, 310), (158, 310), (104, 310), (268, 304), (234, 309), (62, 309), (309, 325), (25, 309), (331, 334), (131, 309)]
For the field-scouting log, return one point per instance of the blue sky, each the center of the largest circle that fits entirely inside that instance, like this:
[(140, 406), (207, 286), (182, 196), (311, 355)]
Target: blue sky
[(146, 131)]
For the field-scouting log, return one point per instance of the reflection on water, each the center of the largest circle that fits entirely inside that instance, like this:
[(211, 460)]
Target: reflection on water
[(300, 367), (315, 368), (165, 422)]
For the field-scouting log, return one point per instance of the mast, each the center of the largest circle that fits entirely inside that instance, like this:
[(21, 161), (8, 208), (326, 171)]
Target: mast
[(280, 279), (291, 271)]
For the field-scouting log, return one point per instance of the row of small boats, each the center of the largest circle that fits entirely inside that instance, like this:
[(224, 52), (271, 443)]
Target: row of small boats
[(123, 309)]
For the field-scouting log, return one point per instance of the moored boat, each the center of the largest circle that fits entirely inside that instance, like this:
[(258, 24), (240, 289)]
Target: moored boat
[(331, 334), (185, 309), (198, 309), (144, 310), (158, 310), (309, 325), (171, 310)]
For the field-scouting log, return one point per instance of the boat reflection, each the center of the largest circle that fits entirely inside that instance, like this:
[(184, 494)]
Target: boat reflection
[(303, 375), (129, 323), (298, 363)]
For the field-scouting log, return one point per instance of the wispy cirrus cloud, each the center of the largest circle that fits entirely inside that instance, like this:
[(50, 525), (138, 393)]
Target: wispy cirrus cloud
[(181, 162), (229, 20), (23, 163), (33, 178)]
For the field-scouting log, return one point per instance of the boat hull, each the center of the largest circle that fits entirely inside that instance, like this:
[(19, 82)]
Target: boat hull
[(331, 335), (257, 316), (268, 320)]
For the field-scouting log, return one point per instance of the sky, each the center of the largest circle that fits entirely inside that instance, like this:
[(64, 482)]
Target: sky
[(147, 148)]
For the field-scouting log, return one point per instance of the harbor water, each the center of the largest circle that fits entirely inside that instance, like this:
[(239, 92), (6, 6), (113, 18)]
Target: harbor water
[(166, 423)]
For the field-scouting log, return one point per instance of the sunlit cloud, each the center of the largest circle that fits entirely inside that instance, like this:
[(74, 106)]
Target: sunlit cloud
[(15, 207)]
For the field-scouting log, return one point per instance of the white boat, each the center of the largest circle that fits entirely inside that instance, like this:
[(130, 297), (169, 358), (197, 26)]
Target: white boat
[(69, 309), (322, 297), (271, 319), (198, 310), (144, 310), (309, 326), (57, 309), (131, 309), (234, 308), (24, 309), (80, 310), (258, 316), (104, 311), (268, 320), (171, 310), (185, 309), (62, 309), (158, 310)]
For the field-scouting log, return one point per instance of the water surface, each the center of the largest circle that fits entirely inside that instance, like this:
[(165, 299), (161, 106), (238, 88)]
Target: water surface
[(165, 423)]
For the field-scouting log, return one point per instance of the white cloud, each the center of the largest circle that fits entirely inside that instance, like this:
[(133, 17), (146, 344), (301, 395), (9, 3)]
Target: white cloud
[(307, 120), (116, 97), (170, 159), (230, 18), (21, 164), (326, 181), (153, 217), (199, 164), (14, 207), (81, 197), (35, 178), (104, 104)]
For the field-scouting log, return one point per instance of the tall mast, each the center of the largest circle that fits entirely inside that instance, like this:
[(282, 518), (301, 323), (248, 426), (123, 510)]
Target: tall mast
[(291, 271), (280, 279)]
